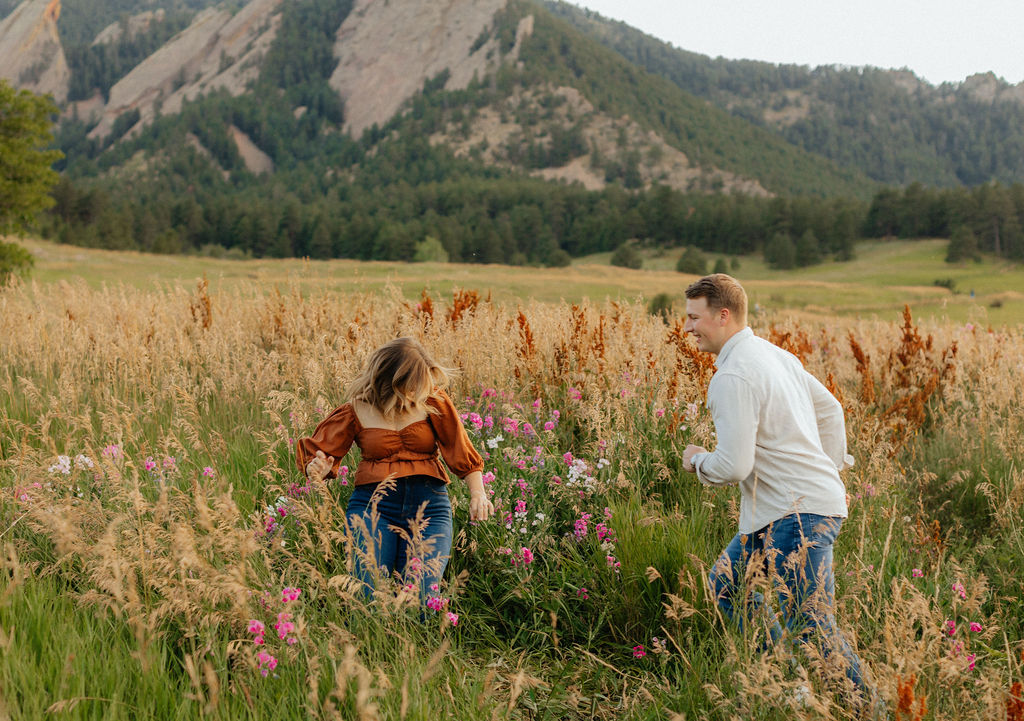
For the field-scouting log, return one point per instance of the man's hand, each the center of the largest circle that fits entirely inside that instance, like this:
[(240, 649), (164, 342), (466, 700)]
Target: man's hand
[(319, 467), (688, 454), (480, 507)]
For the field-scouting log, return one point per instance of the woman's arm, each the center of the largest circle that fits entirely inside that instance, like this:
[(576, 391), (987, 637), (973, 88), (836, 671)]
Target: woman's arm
[(480, 506)]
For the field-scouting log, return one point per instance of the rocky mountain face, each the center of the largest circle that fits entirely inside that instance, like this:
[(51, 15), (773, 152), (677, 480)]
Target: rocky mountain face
[(386, 50), (31, 55), (217, 51)]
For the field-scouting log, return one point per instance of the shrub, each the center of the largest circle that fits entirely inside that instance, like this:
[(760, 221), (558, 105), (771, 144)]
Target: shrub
[(627, 256)]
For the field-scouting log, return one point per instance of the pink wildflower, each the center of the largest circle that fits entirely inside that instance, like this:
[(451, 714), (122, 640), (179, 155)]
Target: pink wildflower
[(290, 594), (453, 618), (284, 626), (958, 588), (951, 627), (971, 658), (638, 651), (659, 412), (582, 594), (976, 627), (267, 663), (256, 627), (917, 573), (549, 426)]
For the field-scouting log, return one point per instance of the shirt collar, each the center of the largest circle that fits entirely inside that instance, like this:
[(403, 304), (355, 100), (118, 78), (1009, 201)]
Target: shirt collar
[(732, 343)]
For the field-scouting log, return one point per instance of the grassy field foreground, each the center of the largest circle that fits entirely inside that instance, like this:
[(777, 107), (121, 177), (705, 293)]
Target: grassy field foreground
[(162, 557)]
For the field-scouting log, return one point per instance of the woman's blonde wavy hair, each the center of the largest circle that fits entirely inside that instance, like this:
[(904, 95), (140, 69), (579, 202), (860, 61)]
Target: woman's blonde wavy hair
[(399, 377)]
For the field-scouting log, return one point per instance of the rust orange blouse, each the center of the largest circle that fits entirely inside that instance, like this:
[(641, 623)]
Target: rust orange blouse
[(410, 451)]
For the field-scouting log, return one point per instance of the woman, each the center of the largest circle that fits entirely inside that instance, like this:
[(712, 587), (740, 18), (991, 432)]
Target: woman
[(399, 512)]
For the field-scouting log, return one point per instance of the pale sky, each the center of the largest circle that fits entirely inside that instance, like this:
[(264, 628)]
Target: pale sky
[(940, 40)]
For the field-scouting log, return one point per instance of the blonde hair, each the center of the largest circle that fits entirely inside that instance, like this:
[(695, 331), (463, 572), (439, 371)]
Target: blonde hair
[(721, 291), (399, 377)]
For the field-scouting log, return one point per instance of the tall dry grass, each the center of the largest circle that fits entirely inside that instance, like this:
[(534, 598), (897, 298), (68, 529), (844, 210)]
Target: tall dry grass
[(177, 557)]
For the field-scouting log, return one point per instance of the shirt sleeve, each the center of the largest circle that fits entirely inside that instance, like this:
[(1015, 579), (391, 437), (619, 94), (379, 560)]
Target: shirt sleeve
[(735, 411), (456, 449), (828, 412), (334, 436)]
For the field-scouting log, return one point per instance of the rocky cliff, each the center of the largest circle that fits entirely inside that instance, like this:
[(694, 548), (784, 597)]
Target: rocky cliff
[(217, 51), (31, 55), (386, 49)]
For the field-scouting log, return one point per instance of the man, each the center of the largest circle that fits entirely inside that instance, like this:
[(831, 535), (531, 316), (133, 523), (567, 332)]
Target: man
[(782, 438)]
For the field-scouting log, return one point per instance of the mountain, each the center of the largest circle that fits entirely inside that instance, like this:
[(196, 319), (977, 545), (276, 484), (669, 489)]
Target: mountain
[(888, 124), (493, 130), (31, 55)]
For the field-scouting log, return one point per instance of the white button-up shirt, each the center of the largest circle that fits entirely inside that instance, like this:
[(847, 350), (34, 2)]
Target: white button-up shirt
[(781, 435)]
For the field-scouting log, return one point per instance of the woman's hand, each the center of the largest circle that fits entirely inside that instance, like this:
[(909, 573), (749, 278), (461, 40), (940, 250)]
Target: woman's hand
[(319, 466), (480, 507)]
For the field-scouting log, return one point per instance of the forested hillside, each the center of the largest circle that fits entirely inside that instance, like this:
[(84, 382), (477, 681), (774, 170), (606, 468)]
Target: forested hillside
[(889, 125)]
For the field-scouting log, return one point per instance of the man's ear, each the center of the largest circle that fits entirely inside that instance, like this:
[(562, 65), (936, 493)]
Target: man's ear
[(723, 315)]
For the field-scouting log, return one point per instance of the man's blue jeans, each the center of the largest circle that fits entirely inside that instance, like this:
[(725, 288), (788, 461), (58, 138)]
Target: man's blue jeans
[(797, 550), (404, 529)]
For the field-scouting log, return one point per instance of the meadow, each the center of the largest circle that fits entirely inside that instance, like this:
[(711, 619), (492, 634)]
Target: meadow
[(162, 556)]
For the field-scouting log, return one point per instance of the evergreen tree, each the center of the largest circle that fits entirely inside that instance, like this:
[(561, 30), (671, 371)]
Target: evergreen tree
[(963, 245), (807, 250), (26, 172), (780, 252)]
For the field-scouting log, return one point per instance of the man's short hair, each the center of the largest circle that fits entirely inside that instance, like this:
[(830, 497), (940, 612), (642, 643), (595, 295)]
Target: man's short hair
[(721, 291)]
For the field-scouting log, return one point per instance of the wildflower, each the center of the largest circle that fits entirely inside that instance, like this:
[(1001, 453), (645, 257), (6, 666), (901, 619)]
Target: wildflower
[(951, 627), (267, 663), (575, 394), (289, 594), (520, 506), (976, 627), (580, 526), (536, 404), (971, 658), (567, 457), (487, 477), (638, 651), (582, 594), (256, 627), (453, 618), (488, 422), (83, 461), (284, 625), (112, 451), (62, 466), (150, 464), (691, 410), (208, 472), (549, 426), (493, 442), (170, 463), (659, 645), (556, 414), (607, 512), (414, 567), (659, 412), (917, 573), (435, 587), (436, 603), (958, 588), (527, 555)]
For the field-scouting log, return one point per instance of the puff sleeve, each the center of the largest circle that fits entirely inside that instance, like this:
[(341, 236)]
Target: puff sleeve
[(456, 449), (334, 436)]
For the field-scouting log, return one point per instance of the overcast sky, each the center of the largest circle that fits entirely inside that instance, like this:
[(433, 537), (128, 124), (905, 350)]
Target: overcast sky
[(940, 40)]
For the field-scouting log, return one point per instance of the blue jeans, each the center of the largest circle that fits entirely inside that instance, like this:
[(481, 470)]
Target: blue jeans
[(405, 530), (797, 549)]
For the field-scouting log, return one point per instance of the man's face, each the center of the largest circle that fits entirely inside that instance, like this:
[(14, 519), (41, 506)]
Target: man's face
[(706, 325)]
